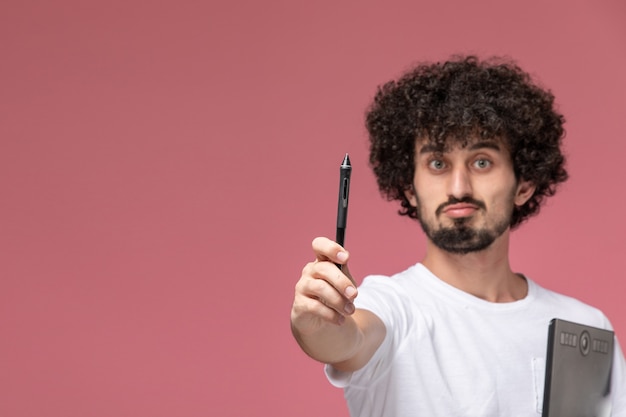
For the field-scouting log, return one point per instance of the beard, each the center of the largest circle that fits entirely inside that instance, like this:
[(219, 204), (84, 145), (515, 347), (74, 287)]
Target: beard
[(461, 238)]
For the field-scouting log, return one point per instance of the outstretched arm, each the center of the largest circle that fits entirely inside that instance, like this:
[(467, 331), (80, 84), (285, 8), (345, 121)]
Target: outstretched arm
[(323, 318)]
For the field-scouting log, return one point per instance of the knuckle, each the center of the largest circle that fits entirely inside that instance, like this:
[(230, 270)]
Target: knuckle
[(323, 246), (300, 285), (308, 268), (319, 286), (318, 308), (319, 242)]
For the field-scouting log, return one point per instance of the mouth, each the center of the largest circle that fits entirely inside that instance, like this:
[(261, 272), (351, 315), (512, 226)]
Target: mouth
[(460, 210)]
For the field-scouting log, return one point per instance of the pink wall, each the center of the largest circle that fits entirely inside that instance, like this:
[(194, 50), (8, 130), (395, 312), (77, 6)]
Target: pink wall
[(165, 165)]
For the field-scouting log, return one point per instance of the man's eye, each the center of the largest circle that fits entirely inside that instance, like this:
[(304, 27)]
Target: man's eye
[(482, 163), (437, 164)]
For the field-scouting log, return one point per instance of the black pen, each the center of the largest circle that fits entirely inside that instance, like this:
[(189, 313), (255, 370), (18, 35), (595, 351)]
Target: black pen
[(342, 207)]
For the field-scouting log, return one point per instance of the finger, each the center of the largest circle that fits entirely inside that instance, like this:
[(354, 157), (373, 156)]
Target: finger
[(328, 295), (328, 250), (316, 308), (329, 273), (346, 271), (316, 298)]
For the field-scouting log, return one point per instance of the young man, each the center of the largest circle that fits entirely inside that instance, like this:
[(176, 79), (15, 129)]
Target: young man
[(470, 148)]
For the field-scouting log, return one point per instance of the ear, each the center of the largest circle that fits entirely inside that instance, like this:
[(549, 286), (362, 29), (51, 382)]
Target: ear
[(410, 195), (525, 190)]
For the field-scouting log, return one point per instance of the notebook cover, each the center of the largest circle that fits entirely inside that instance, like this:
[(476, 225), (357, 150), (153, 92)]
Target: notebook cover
[(578, 371)]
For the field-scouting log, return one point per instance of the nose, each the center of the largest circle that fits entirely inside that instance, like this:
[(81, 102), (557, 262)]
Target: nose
[(460, 184)]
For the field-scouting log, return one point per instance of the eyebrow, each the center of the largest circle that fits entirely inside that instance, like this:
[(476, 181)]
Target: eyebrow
[(484, 144)]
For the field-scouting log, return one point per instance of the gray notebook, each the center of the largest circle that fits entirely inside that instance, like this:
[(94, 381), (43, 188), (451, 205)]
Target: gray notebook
[(578, 371)]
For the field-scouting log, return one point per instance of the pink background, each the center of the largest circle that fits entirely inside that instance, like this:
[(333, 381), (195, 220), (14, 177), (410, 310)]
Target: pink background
[(165, 165)]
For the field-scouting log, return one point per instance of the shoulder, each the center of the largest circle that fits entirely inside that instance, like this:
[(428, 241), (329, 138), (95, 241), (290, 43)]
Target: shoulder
[(397, 282), (388, 297), (396, 290), (569, 308), (398, 300)]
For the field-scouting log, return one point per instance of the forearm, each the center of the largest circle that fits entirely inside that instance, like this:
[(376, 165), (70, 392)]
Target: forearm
[(324, 320), (332, 343)]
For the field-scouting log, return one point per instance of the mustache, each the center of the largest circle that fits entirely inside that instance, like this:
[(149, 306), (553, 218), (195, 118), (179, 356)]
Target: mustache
[(454, 200)]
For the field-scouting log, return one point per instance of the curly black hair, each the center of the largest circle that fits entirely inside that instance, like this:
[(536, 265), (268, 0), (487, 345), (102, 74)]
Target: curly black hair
[(448, 104)]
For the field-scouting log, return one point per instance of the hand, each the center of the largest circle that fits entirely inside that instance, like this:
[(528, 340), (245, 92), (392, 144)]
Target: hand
[(324, 294)]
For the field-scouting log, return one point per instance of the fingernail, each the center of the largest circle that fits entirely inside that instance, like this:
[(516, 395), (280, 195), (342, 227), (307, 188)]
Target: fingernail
[(342, 256), (350, 291), (349, 308)]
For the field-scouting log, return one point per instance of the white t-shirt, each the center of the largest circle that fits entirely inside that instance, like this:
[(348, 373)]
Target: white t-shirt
[(448, 353)]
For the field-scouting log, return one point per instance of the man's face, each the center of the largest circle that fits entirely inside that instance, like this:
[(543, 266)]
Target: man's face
[(465, 196)]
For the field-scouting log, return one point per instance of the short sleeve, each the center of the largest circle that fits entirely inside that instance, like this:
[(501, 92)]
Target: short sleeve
[(384, 298)]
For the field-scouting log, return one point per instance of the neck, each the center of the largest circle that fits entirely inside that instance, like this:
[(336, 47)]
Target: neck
[(485, 274)]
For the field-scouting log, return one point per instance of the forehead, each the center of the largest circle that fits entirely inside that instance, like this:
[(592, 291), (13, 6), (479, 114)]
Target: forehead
[(425, 145)]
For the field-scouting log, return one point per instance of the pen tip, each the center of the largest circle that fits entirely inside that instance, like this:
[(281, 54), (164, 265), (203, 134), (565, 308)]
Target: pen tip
[(346, 160)]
